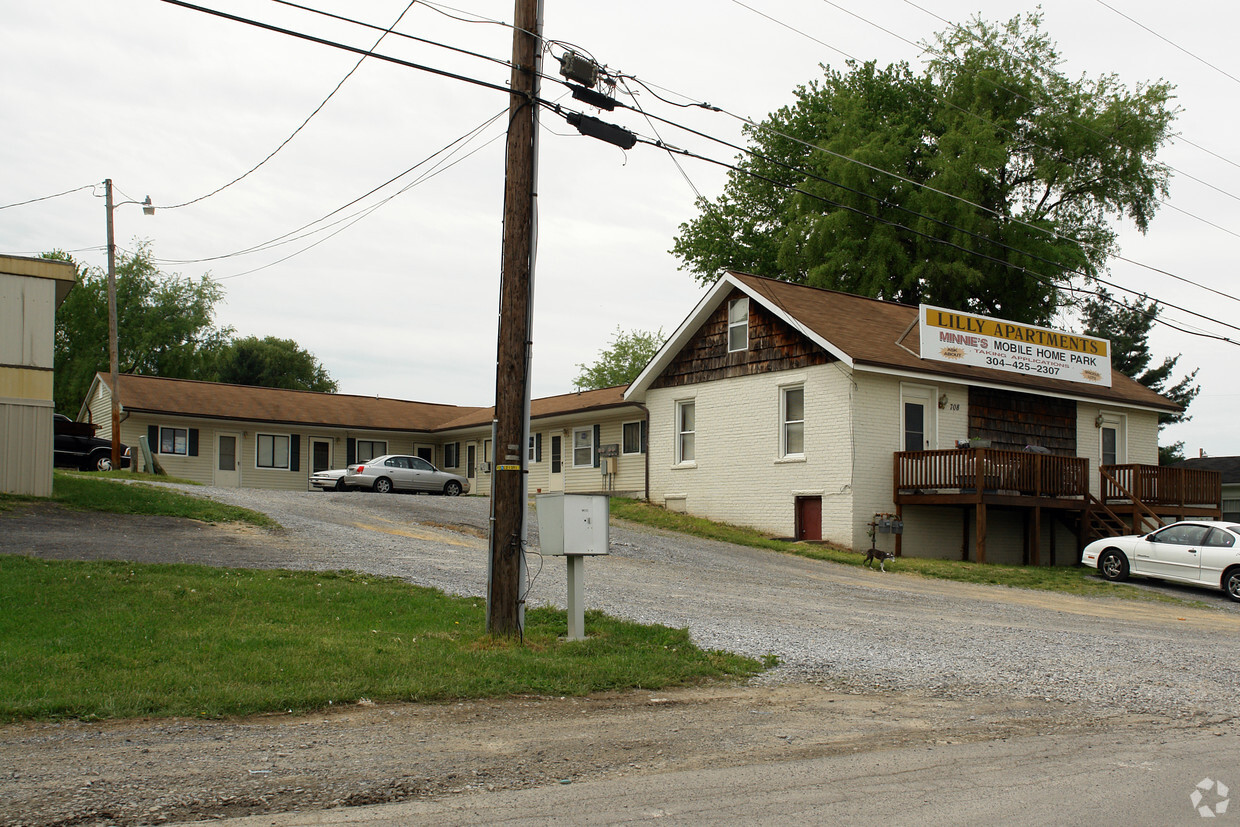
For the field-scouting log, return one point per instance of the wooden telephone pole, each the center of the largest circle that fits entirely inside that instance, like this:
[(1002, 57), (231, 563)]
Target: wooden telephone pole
[(512, 381)]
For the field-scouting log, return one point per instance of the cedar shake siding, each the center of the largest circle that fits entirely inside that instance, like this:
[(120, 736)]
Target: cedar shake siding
[(773, 346)]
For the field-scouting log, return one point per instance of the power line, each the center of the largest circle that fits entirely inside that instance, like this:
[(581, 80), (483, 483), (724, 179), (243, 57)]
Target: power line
[(415, 38), (292, 235), (337, 45), (916, 214), (309, 117), (1169, 42), (1024, 271), (48, 197), (965, 31)]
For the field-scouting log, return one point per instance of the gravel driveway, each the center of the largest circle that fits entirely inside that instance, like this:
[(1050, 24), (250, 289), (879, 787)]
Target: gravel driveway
[(873, 665), (845, 627)]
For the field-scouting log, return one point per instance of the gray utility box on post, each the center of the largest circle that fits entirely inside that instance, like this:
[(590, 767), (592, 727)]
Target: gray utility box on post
[(574, 526)]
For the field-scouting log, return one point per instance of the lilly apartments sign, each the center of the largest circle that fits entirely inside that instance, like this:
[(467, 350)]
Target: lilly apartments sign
[(965, 339)]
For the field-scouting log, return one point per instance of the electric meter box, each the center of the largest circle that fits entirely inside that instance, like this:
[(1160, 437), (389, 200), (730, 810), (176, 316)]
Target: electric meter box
[(572, 524)]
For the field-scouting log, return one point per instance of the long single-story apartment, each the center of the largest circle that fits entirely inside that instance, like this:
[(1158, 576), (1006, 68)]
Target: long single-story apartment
[(817, 414), (235, 435)]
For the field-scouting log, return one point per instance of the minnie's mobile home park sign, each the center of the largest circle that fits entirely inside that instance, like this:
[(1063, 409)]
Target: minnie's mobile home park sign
[(965, 339)]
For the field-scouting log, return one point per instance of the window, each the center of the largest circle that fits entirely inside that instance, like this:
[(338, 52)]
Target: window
[(915, 426), (686, 431), (272, 451), (1220, 539), (1110, 445), (634, 441), (583, 447), (535, 451), (368, 449), (174, 441), (452, 455), (419, 464), (397, 462), (738, 325), (792, 438)]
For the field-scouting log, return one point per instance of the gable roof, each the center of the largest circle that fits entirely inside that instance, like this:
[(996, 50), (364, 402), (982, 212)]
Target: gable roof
[(215, 400), (1228, 467), (875, 335)]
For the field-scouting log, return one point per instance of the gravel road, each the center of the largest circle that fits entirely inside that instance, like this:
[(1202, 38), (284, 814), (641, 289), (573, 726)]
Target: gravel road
[(836, 625), (869, 662)]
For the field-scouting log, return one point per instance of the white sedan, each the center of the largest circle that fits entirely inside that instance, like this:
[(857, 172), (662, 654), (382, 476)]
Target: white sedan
[(1207, 553)]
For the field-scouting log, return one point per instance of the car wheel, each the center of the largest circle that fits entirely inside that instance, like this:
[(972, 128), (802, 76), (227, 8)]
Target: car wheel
[(339, 485), (452, 489), (98, 462), (383, 485), (1113, 566), (1231, 584)]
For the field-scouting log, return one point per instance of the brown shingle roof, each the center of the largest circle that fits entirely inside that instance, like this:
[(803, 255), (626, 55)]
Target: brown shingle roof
[(885, 334), (213, 400), (565, 403)]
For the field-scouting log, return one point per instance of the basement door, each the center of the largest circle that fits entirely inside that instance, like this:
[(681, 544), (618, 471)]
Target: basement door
[(809, 518)]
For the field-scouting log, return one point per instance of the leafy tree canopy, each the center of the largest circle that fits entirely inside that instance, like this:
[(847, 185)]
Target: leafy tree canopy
[(1127, 324), (620, 363), (272, 363), (1049, 160), (165, 327)]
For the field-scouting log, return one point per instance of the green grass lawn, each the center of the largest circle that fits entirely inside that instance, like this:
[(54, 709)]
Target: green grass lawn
[(108, 639), (96, 492), (1069, 579)]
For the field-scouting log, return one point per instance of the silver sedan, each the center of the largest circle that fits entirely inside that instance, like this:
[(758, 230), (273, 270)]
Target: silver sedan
[(398, 472)]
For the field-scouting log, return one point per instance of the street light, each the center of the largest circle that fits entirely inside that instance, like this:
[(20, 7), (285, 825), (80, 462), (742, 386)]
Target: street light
[(113, 350)]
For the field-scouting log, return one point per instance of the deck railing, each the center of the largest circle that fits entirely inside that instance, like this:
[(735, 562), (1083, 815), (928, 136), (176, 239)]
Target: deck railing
[(1160, 486), (991, 469)]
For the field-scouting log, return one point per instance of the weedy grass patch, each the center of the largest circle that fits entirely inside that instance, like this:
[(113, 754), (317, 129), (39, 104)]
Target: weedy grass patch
[(113, 639)]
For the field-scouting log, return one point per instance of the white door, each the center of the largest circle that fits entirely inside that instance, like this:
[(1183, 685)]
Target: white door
[(228, 460)]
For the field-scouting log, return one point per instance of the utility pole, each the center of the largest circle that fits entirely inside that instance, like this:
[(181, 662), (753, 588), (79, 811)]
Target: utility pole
[(512, 364), (113, 348)]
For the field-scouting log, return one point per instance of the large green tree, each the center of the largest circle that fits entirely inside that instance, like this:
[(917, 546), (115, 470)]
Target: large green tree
[(165, 326), (1127, 324), (271, 363), (845, 187), (621, 361)]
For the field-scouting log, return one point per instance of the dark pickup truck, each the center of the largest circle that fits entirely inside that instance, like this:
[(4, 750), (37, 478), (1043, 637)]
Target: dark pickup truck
[(76, 446)]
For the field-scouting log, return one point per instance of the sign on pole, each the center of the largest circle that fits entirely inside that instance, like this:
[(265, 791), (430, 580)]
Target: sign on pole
[(966, 339)]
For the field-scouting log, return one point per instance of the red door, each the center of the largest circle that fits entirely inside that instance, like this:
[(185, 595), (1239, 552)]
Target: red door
[(809, 518)]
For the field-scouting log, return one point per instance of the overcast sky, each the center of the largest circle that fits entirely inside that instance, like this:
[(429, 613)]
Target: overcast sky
[(402, 302)]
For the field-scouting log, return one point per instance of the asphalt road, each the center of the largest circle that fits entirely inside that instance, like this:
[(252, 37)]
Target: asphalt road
[(1130, 778)]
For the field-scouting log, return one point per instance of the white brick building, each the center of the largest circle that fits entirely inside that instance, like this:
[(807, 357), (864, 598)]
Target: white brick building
[(805, 412)]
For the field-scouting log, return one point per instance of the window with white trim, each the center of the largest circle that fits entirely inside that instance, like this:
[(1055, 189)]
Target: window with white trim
[(452, 455), (738, 325), (633, 439), (368, 449), (273, 451), (583, 447), (686, 431), (174, 441), (792, 416)]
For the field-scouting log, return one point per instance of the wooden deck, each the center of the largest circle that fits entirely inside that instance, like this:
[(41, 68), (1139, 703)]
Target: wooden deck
[(1132, 498)]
